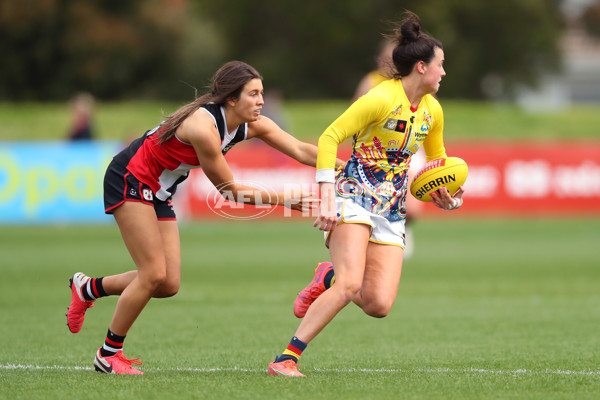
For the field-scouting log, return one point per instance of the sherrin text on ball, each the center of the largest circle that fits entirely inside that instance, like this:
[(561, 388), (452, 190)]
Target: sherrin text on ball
[(450, 172)]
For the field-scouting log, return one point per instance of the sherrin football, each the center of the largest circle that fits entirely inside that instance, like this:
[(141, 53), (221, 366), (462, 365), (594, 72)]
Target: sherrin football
[(450, 172)]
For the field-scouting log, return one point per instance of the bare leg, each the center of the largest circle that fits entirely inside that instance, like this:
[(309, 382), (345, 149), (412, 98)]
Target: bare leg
[(347, 246), (381, 279), (115, 284), (366, 273), (144, 240)]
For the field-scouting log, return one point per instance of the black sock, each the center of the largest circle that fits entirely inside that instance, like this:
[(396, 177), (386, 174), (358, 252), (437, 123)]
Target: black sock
[(93, 289), (112, 344), (329, 279), (293, 351)]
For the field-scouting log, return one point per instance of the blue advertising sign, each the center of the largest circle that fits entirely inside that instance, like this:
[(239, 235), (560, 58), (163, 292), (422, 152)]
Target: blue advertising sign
[(53, 182)]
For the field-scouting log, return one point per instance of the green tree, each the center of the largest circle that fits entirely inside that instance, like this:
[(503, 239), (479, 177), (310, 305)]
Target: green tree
[(111, 48), (314, 48), (310, 48), (512, 40), (322, 48)]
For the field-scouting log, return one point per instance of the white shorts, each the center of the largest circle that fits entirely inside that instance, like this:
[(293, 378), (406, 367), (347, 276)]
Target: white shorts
[(382, 230)]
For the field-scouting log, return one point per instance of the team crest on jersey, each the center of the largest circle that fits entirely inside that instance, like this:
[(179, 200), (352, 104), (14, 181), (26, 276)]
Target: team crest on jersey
[(398, 125), (397, 110), (426, 121)]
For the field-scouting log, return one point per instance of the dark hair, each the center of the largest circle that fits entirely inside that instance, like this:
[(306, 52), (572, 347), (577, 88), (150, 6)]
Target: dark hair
[(227, 83), (412, 45)]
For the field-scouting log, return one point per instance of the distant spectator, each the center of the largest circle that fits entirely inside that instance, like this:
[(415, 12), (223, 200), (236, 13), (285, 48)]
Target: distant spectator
[(385, 69), (82, 108), (273, 107)]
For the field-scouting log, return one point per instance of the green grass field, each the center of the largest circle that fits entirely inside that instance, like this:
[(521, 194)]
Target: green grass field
[(487, 309)]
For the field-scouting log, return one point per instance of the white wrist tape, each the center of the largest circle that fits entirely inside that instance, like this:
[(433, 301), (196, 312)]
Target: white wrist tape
[(456, 203), (325, 175)]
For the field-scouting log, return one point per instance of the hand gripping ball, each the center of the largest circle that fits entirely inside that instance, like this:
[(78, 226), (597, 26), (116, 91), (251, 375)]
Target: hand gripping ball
[(450, 172)]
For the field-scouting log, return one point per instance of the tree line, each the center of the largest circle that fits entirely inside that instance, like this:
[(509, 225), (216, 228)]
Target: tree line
[(144, 49)]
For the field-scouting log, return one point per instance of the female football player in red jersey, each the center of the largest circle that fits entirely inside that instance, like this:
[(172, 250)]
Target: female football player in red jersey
[(362, 210), (138, 189)]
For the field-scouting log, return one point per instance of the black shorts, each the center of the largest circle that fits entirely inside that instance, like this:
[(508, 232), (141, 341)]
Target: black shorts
[(120, 186)]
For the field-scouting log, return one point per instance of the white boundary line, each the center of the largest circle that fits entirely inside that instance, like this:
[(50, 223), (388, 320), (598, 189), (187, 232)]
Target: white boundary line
[(546, 371)]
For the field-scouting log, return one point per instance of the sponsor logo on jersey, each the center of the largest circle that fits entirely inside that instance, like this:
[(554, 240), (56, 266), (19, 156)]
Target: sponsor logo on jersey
[(397, 110), (427, 121), (398, 125)]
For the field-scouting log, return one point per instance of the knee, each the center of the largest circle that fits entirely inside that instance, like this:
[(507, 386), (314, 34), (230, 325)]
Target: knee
[(167, 289), (377, 308), (154, 280), (347, 290)]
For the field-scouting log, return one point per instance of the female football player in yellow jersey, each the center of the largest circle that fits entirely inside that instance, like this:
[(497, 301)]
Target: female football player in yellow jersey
[(362, 208), (385, 70)]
